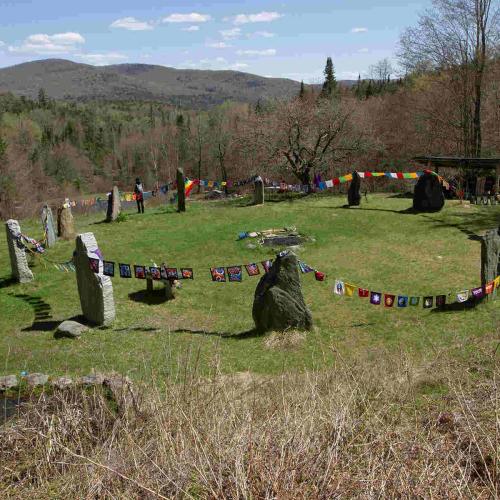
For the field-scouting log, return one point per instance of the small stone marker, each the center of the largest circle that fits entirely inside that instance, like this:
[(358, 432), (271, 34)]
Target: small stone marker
[(65, 223), (490, 257), (353, 194), (70, 329), (428, 195), (114, 205), (181, 191), (278, 302), (258, 194), (18, 261), (95, 290), (48, 226)]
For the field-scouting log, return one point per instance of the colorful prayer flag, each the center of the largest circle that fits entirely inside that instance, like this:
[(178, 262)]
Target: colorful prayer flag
[(349, 289), (266, 264), (478, 292), (172, 273), (319, 276), (125, 271), (304, 268), (234, 273), (402, 301), (375, 298), (188, 186), (108, 268), (252, 269), (339, 288), (363, 292), (94, 265), (440, 300), (489, 287), (428, 302), (218, 274), (187, 273), (463, 296), (414, 301), (155, 273), (140, 272), (389, 300)]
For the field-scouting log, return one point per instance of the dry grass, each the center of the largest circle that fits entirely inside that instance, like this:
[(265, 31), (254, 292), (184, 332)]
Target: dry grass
[(354, 430)]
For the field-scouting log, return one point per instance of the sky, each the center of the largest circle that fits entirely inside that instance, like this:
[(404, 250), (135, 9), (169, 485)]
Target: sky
[(288, 39)]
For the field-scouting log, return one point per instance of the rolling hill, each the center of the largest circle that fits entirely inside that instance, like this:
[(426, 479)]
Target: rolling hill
[(67, 80)]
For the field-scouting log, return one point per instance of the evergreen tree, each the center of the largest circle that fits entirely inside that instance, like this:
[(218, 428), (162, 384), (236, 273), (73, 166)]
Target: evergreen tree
[(179, 120), (151, 117), (258, 108), (302, 92), (42, 98), (330, 84), (3, 148), (369, 90)]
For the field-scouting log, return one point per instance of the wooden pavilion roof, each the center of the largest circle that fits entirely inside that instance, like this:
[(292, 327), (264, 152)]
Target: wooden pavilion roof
[(458, 162)]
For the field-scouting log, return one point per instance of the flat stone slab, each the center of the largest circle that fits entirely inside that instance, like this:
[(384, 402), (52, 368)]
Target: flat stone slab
[(36, 379), (61, 382), (70, 329), (7, 382), (93, 379), (284, 241)]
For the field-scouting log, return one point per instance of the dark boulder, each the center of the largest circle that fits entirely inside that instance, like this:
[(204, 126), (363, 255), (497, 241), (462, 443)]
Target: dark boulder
[(278, 302), (353, 194), (428, 195)]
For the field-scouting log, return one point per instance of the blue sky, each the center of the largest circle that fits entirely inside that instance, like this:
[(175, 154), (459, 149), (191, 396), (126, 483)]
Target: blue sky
[(288, 39)]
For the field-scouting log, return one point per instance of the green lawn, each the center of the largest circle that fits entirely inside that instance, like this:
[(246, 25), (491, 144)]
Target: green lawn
[(377, 246)]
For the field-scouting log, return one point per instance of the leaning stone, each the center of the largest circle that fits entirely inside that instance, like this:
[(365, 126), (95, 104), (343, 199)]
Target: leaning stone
[(7, 382), (17, 252), (278, 302), (428, 195), (92, 379), (353, 194), (48, 226), (65, 223), (61, 382), (181, 191), (258, 194), (114, 205), (70, 329), (36, 379), (95, 290)]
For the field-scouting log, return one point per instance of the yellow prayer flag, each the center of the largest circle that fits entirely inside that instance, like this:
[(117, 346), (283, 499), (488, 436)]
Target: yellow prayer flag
[(349, 289)]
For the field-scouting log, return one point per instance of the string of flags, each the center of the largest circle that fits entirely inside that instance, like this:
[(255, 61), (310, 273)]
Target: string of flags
[(389, 300), (26, 240)]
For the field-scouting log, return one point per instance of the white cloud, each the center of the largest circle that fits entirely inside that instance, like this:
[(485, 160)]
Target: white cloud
[(359, 30), (261, 17), (230, 33), (191, 28), (103, 59), (364, 50), (262, 34), (238, 66), (43, 44), (194, 17), (132, 24), (218, 45), (2, 44), (218, 63), (265, 52)]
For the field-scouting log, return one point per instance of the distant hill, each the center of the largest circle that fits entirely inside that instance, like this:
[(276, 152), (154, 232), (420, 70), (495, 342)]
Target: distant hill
[(67, 80)]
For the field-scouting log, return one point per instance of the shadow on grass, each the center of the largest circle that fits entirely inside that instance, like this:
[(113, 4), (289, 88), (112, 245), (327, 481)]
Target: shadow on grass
[(43, 317), (153, 297), (6, 282), (471, 224), (406, 211), (236, 336), (457, 306)]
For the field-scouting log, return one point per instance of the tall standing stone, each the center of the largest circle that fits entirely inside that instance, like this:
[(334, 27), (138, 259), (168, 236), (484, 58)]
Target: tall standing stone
[(258, 194), (114, 205), (181, 191), (95, 290), (278, 302), (48, 226), (65, 222), (490, 256), (428, 195), (18, 261), (353, 194)]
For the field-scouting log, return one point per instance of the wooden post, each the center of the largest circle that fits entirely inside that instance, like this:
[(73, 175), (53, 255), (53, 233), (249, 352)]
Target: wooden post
[(181, 191), (490, 257)]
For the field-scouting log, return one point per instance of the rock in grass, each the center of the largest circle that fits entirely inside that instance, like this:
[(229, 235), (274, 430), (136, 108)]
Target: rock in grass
[(61, 382), (279, 303), (37, 379), (92, 379), (70, 329), (428, 195), (7, 382)]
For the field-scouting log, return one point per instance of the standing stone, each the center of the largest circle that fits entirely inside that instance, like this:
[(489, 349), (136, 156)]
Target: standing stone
[(428, 195), (490, 256), (48, 226), (114, 205), (65, 223), (258, 194), (278, 302), (353, 194), (95, 290), (181, 191), (18, 261)]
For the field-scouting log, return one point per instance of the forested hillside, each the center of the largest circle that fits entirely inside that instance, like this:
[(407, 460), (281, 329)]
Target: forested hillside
[(51, 149)]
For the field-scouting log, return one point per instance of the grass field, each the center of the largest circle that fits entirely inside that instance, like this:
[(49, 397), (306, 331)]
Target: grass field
[(378, 246)]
